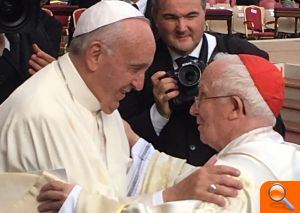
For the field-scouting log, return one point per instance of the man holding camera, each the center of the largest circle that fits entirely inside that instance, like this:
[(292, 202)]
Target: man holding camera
[(24, 33), (152, 112)]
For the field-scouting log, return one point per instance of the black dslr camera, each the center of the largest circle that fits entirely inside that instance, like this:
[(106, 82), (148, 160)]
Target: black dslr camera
[(18, 16), (188, 76)]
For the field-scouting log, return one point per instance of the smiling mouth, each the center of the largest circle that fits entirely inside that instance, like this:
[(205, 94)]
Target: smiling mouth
[(122, 96), (199, 123), (182, 37), (124, 92)]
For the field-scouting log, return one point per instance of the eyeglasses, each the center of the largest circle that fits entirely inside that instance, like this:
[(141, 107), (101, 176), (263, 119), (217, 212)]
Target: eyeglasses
[(200, 98)]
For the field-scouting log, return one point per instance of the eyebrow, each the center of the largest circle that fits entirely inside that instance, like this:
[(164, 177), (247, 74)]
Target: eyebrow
[(192, 13), (168, 15), (138, 65), (176, 16)]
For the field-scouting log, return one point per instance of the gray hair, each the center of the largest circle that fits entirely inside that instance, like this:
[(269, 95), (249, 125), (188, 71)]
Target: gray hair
[(155, 4), (236, 80), (109, 36)]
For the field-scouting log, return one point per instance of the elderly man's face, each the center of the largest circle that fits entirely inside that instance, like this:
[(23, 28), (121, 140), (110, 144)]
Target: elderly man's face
[(125, 68), (180, 24), (211, 109)]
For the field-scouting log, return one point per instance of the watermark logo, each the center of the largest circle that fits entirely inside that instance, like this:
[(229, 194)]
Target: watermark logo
[(280, 197)]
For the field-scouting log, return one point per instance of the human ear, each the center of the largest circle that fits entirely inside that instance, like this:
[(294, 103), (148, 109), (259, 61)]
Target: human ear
[(93, 54), (238, 108)]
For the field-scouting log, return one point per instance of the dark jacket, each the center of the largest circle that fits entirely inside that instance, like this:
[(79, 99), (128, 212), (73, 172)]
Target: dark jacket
[(180, 137), (14, 63)]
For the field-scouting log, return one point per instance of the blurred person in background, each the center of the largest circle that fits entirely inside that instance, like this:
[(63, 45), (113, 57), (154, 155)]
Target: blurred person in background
[(151, 112), (25, 51)]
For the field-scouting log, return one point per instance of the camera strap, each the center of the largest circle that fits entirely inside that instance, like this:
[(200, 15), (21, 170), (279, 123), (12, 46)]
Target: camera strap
[(203, 55), (185, 59)]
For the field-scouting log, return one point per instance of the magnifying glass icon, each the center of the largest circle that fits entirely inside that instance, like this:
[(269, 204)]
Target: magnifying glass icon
[(277, 193)]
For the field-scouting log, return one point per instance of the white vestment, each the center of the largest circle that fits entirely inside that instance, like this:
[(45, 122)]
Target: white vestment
[(53, 121), (262, 155)]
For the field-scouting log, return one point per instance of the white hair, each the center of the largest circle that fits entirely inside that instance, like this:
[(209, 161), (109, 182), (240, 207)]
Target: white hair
[(236, 80), (108, 35)]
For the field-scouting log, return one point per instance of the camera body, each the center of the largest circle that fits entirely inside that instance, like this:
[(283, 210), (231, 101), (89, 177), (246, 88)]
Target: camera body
[(17, 16), (188, 76)]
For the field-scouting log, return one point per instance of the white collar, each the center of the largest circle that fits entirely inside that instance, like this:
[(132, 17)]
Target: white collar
[(212, 42), (77, 86), (263, 133), (267, 148), (6, 41)]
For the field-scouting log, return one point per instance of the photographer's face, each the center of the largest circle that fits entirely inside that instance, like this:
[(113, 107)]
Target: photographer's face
[(180, 24), (124, 68)]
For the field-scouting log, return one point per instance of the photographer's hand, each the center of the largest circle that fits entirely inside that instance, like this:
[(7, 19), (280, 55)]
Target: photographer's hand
[(39, 59), (164, 89)]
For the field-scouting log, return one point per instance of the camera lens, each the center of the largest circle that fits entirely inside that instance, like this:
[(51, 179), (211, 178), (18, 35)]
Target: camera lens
[(12, 13), (189, 75)]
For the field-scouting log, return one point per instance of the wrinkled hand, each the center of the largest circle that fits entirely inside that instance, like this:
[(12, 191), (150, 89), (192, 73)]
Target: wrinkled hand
[(131, 135), (196, 185), (39, 59), (164, 89), (53, 195)]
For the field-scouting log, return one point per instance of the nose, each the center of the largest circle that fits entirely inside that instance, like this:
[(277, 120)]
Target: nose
[(193, 110), (138, 81), (181, 25)]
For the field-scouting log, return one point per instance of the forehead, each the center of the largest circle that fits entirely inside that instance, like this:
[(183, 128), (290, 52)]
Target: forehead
[(212, 73), (136, 32), (137, 45), (179, 5)]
